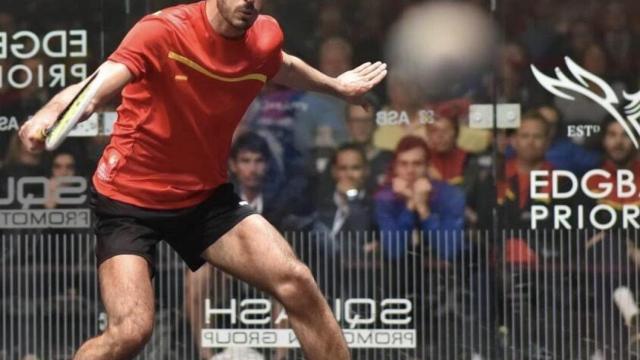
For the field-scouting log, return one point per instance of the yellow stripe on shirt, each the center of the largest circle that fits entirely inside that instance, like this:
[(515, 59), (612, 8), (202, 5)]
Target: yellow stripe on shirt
[(197, 67)]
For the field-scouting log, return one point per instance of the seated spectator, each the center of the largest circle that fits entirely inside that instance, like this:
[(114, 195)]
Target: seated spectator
[(411, 200), (530, 143), (361, 124), (448, 160), (258, 181), (349, 209), (522, 251), (273, 116), (619, 154), (255, 177)]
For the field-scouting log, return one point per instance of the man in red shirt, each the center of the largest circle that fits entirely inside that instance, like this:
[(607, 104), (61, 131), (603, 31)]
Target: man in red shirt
[(187, 75)]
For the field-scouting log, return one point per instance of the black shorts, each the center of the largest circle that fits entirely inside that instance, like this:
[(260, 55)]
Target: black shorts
[(124, 229)]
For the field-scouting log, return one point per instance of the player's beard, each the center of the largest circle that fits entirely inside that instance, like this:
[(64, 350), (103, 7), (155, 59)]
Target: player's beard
[(240, 18)]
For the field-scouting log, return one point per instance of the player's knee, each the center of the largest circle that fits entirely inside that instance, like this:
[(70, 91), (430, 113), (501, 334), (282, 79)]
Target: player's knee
[(296, 286), (131, 333)]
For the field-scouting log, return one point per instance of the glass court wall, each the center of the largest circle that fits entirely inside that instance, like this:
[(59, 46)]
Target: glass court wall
[(529, 250)]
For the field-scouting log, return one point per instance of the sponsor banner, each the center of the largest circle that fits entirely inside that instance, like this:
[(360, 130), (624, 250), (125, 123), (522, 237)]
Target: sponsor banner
[(285, 338), (67, 50), (45, 219)]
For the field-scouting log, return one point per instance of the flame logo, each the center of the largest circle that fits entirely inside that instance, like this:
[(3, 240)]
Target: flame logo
[(562, 85)]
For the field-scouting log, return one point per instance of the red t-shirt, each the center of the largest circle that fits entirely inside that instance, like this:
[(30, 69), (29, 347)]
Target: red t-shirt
[(192, 86)]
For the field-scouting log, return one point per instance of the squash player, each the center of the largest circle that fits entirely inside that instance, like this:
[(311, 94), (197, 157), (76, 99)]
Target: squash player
[(187, 75)]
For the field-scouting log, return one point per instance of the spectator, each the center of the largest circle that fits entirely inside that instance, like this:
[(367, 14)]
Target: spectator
[(258, 181), (522, 253), (346, 219), (252, 171), (406, 105), (273, 116), (350, 208), (63, 165), (530, 142), (322, 126), (361, 124), (447, 158), (411, 200), (619, 154)]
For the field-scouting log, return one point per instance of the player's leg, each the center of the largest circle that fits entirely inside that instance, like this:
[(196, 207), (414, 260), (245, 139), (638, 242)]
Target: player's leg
[(254, 251), (127, 294)]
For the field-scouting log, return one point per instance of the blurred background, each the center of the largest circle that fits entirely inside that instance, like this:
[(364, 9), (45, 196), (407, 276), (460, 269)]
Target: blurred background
[(458, 126)]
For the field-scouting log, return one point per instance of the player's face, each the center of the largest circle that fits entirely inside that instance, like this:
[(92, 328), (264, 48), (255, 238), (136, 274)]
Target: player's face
[(241, 14), (441, 136), (249, 168), (531, 141), (350, 170), (411, 165), (360, 123), (617, 145), (63, 165)]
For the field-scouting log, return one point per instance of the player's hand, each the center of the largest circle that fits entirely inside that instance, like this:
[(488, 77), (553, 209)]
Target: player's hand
[(354, 84), (32, 132)]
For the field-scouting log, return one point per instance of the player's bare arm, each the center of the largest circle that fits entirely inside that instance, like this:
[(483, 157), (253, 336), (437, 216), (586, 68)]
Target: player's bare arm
[(31, 132), (351, 86)]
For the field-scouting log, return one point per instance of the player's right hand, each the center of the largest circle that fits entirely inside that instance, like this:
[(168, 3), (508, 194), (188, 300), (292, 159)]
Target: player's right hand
[(32, 133)]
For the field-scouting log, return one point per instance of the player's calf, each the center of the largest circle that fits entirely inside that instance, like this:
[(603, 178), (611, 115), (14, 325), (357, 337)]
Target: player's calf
[(130, 335)]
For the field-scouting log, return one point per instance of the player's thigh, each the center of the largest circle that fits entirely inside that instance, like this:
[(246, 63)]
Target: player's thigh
[(255, 252), (127, 293)]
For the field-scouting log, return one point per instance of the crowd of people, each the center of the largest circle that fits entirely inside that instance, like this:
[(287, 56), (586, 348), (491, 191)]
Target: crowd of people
[(311, 163)]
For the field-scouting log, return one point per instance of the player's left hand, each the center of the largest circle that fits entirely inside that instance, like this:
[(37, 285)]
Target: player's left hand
[(354, 84)]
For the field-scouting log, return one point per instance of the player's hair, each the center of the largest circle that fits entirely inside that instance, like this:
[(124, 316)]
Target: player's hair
[(348, 147), (251, 142)]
